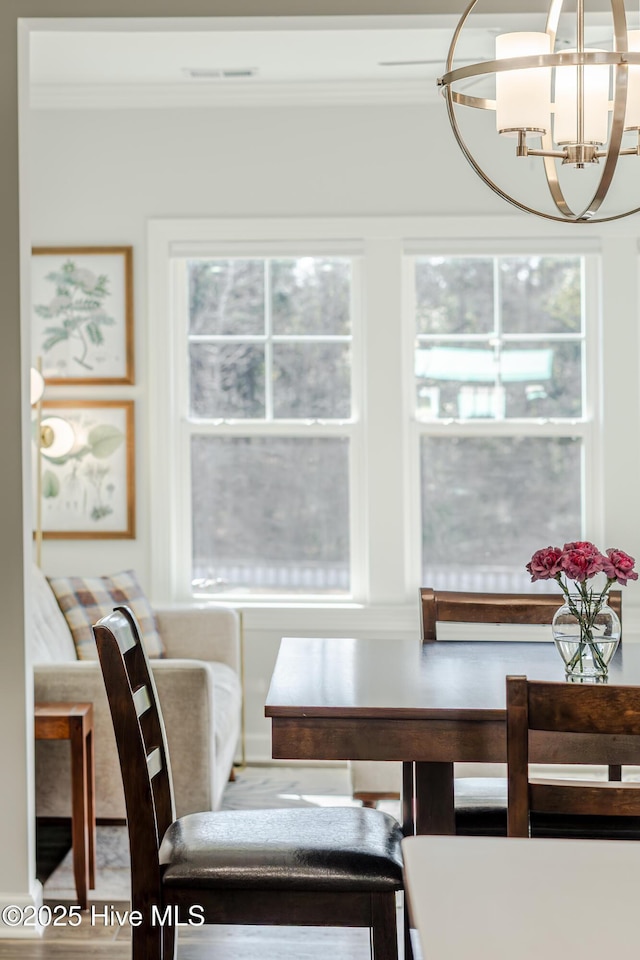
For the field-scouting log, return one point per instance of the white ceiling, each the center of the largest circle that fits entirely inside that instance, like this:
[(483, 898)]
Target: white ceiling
[(278, 55), (304, 59)]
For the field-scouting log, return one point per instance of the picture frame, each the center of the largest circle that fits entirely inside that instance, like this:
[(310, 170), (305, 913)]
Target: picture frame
[(89, 493), (82, 314)]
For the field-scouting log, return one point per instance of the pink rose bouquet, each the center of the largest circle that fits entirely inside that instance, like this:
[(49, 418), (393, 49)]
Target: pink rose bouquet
[(580, 561)]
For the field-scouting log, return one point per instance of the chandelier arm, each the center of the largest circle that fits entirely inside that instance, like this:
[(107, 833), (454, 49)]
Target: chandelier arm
[(627, 152), (619, 109), (554, 154)]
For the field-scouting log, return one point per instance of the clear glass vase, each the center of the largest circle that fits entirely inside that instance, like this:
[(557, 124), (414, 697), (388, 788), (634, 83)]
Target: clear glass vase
[(587, 635)]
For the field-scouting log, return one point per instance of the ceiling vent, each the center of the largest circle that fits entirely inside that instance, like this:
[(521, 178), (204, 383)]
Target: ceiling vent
[(219, 73)]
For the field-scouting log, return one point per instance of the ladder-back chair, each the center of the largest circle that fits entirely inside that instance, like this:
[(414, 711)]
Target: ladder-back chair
[(611, 716), (306, 867), (450, 606)]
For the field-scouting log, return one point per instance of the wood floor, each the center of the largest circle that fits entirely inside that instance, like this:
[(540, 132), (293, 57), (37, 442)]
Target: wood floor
[(206, 943)]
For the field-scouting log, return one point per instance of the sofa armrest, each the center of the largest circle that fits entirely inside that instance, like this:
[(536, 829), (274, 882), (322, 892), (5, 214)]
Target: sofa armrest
[(186, 695), (204, 632), (185, 691)]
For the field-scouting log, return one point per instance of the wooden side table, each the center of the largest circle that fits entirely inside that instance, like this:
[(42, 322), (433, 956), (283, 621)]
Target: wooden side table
[(74, 722)]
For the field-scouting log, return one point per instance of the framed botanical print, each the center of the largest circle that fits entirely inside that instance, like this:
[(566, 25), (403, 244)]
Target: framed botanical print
[(82, 314), (88, 492)]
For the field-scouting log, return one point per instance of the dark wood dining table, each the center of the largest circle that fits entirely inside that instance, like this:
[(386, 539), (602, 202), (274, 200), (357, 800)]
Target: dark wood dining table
[(428, 705)]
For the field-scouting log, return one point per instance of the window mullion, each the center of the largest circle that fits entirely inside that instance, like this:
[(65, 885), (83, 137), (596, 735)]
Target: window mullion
[(500, 403), (268, 347), (180, 574), (383, 499)]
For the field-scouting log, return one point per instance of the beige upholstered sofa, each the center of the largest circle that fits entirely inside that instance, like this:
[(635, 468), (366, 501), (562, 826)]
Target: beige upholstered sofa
[(199, 688)]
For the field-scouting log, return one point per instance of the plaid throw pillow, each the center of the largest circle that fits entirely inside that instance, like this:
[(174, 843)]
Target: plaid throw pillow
[(84, 600)]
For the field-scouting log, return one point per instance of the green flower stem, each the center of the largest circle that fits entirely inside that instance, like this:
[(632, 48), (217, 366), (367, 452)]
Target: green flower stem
[(591, 607)]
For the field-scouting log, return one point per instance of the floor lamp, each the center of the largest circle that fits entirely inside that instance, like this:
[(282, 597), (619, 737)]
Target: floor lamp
[(54, 439)]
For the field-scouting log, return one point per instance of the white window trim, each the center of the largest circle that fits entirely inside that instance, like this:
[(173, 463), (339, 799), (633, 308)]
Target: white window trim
[(389, 499)]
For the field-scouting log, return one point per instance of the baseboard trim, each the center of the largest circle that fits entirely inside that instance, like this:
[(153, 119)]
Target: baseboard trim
[(26, 910)]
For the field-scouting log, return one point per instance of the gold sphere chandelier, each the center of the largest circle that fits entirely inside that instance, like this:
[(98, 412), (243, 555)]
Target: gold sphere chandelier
[(573, 107)]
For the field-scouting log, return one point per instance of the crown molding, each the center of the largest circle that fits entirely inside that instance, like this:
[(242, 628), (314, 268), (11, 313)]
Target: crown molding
[(235, 94)]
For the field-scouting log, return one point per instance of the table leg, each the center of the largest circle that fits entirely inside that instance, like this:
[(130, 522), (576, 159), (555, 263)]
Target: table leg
[(91, 808), (435, 812), (79, 811), (408, 799), (408, 828), (408, 948)]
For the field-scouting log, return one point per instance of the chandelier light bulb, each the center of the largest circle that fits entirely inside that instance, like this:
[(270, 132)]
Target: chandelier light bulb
[(523, 97), (596, 102)]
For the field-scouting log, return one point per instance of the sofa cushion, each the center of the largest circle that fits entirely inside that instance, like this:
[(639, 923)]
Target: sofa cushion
[(84, 600), (51, 641)]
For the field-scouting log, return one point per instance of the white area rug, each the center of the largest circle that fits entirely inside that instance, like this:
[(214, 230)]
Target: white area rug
[(254, 788), (262, 788)]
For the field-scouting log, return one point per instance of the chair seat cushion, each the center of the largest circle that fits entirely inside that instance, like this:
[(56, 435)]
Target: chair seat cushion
[(481, 809), (333, 848)]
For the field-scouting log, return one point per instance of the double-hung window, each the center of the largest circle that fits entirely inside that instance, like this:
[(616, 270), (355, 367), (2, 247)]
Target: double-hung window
[(269, 393), (504, 420), (368, 408)]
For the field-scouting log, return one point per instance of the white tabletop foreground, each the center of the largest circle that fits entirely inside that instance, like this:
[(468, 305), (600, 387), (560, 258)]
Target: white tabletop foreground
[(499, 898)]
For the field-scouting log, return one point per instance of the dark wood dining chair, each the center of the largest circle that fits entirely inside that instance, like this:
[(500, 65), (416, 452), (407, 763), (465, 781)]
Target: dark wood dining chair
[(481, 802), (449, 606), (294, 867), (607, 714)]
